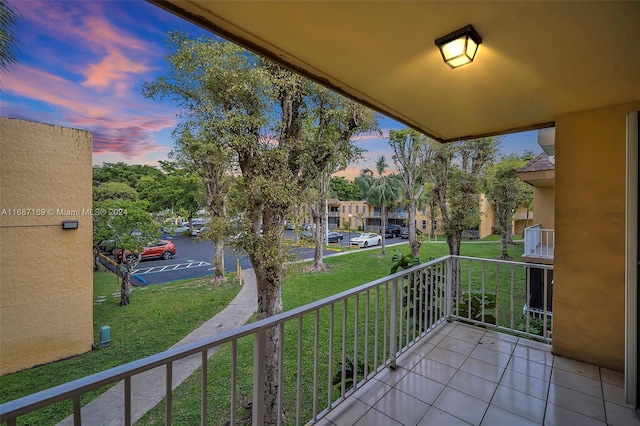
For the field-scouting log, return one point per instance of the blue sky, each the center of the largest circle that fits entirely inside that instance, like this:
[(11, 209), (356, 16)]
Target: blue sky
[(83, 64)]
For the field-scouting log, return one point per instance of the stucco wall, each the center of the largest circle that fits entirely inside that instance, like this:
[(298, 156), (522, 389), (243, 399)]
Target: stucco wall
[(45, 272), (544, 206), (589, 276), (487, 217)]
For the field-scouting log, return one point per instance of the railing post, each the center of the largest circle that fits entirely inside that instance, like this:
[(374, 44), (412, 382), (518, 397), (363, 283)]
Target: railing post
[(449, 288), (393, 338), (259, 342)]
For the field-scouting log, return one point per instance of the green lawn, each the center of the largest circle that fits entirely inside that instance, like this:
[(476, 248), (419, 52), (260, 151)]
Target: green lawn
[(161, 315)]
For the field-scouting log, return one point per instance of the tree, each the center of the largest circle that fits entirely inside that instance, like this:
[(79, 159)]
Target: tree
[(131, 226), (456, 170), (381, 190), (111, 190), (506, 191), (335, 119), (343, 190), (411, 153), (123, 172), (9, 52), (256, 110)]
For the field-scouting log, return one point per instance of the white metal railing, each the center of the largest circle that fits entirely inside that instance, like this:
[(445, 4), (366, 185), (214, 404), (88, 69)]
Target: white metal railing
[(539, 242), (332, 346)]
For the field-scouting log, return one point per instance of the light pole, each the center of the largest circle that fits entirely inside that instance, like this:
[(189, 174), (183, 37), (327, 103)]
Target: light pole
[(349, 230)]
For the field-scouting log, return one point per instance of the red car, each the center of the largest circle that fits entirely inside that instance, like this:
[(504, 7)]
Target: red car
[(162, 249)]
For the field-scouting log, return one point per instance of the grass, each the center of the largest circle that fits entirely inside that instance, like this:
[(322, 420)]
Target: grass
[(157, 318), (182, 306)]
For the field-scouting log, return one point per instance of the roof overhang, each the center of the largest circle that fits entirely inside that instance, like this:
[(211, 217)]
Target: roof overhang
[(538, 60)]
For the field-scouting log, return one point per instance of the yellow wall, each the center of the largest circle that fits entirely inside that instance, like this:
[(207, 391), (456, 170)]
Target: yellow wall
[(589, 276), (46, 291), (487, 216), (544, 205)]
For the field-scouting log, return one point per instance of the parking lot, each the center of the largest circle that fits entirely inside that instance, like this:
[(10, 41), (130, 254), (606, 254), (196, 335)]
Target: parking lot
[(194, 259)]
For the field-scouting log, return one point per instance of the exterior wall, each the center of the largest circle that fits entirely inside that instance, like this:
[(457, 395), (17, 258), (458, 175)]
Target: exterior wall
[(487, 216), (46, 309), (544, 203), (589, 276)]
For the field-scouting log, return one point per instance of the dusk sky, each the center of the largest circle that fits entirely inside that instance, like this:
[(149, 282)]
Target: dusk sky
[(83, 64)]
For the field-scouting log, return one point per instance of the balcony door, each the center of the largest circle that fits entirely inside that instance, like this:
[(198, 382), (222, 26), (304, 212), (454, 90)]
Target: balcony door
[(632, 351)]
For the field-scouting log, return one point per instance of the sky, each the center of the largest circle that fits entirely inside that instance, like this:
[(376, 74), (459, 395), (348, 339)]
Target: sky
[(83, 63)]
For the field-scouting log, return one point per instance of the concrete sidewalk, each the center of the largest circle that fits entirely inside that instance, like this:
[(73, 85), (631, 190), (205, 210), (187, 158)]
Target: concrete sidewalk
[(148, 388)]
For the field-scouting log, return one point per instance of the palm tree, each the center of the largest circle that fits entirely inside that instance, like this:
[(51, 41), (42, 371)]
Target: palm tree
[(380, 190), (8, 41)]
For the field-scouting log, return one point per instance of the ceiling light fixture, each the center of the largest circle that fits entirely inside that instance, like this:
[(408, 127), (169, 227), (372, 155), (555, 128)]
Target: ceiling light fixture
[(459, 47)]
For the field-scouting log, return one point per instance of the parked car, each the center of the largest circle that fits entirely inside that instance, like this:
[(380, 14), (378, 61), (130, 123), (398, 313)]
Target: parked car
[(405, 233), (162, 249), (306, 235), (199, 231), (366, 240), (392, 231), (335, 237)]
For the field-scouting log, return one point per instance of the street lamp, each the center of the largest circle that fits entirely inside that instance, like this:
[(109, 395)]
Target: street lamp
[(349, 230)]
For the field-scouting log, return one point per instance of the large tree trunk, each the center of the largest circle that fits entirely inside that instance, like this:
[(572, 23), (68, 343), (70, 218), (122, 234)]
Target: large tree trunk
[(454, 239), (414, 244), (126, 270), (218, 262)]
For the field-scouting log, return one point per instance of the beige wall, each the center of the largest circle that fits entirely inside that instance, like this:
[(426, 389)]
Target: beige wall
[(589, 276), (46, 290), (487, 216), (544, 205)]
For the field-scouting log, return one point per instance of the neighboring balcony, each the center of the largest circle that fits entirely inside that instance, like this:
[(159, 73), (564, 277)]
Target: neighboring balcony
[(398, 350), (539, 245)]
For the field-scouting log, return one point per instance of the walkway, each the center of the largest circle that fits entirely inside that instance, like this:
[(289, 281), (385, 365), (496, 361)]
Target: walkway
[(148, 388)]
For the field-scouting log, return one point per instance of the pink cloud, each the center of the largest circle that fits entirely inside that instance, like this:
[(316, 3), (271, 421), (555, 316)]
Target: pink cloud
[(126, 128)]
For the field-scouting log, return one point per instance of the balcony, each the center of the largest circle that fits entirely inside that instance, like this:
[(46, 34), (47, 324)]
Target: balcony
[(538, 244), (394, 351)]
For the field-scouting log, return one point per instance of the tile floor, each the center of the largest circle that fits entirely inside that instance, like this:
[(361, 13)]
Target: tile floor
[(464, 375)]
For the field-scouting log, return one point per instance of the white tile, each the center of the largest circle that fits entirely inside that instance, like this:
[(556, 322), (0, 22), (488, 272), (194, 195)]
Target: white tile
[(323, 422), (461, 405), (519, 403), (577, 382), (348, 412), (467, 334), (424, 389), (542, 356), (490, 341), (501, 336), (530, 368), (422, 347), (491, 356), (436, 417), (402, 407), (621, 416), (614, 394), (612, 377), (577, 367), (559, 416), (497, 416), (483, 369), (434, 370), (407, 360), (447, 357), (525, 384), (575, 401), (473, 385), (374, 417), (372, 391), (391, 377), (456, 345)]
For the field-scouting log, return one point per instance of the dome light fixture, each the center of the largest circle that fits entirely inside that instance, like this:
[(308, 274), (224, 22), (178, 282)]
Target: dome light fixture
[(459, 47)]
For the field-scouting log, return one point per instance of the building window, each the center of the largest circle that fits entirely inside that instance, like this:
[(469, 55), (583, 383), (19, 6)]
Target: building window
[(434, 224), (424, 224), (342, 209), (349, 208), (357, 209)]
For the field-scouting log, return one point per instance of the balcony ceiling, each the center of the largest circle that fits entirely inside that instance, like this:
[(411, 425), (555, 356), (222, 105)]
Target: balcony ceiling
[(538, 60)]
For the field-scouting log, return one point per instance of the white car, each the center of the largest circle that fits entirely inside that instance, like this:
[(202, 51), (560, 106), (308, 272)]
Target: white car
[(199, 231), (366, 240)]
